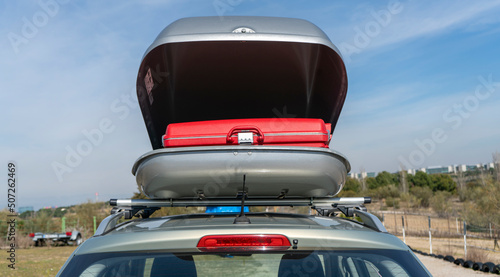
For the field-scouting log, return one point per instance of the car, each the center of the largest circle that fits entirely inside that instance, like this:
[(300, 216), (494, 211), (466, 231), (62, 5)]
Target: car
[(244, 244), (235, 86)]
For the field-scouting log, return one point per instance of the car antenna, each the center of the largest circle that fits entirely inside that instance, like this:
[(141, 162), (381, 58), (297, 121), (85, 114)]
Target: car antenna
[(241, 218)]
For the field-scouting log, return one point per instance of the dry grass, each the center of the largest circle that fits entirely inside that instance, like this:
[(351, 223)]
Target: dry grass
[(477, 255), (36, 262), (419, 224), (24, 242), (455, 248)]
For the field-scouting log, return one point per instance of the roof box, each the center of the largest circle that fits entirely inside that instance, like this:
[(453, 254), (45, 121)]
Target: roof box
[(210, 68), (218, 172)]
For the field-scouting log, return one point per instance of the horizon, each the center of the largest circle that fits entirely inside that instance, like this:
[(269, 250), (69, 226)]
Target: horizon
[(423, 86)]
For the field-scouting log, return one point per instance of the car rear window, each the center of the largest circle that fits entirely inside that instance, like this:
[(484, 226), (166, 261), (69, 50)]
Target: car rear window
[(297, 263)]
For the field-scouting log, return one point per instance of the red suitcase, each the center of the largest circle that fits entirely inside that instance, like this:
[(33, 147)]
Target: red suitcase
[(261, 131)]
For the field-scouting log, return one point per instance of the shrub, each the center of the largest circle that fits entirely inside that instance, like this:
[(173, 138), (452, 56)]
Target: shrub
[(440, 203), (476, 255), (387, 191), (409, 201), (347, 193), (392, 202), (483, 206), (24, 241), (423, 195)]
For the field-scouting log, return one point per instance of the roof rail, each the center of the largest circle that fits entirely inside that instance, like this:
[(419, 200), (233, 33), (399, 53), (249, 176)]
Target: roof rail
[(371, 221), (109, 222)]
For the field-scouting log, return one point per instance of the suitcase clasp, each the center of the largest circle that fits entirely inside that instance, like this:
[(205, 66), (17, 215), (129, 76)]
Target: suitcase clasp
[(245, 138)]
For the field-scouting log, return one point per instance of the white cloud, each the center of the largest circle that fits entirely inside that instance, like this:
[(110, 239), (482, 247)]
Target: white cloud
[(366, 32), (375, 140)]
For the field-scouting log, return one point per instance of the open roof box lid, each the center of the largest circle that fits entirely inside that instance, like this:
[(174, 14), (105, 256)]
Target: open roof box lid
[(209, 68)]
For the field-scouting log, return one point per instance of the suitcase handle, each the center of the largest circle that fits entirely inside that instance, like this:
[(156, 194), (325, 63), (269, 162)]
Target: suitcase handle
[(253, 129)]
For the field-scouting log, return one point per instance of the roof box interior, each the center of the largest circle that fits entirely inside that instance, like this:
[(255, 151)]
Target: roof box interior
[(209, 68)]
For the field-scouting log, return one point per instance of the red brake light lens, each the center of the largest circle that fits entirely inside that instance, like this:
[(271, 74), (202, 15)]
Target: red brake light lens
[(68, 234), (31, 235), (243, 242)]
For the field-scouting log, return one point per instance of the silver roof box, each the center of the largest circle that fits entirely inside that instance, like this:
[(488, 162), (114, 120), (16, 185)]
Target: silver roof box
[(209, 68)]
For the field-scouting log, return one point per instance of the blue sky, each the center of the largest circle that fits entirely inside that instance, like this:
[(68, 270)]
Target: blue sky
[(424, 85)]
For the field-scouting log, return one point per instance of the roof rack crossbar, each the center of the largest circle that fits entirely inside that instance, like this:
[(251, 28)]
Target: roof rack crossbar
[(149, 203), (349, 206), (145, 207)]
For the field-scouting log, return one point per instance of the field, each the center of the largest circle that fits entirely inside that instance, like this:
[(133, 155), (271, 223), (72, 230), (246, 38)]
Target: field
[(36, 262)]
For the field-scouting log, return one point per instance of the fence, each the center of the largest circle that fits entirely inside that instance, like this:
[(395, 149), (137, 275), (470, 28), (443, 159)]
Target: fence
[(445, 236)]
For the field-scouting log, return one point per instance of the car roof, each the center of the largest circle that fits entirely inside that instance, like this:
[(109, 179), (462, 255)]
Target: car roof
[(182, 233)]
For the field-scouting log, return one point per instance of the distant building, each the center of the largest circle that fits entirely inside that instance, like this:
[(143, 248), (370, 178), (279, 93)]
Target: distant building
[(362, 175), (440, 170), (472, 167), (25, 209), (431, 170), (411, 171), (460, 168)]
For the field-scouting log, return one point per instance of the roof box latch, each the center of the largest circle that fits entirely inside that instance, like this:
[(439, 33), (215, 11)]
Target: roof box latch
[(243, 30)]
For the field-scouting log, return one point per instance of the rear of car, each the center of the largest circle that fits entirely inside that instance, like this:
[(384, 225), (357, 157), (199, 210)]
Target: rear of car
[(272, 245)]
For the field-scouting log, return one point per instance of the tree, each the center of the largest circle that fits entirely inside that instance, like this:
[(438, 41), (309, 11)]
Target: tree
[(352, 184), (403, 180), (422, 179), (443, 182), (363, 180), (496, 164), (384, 178), (371, 183)]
